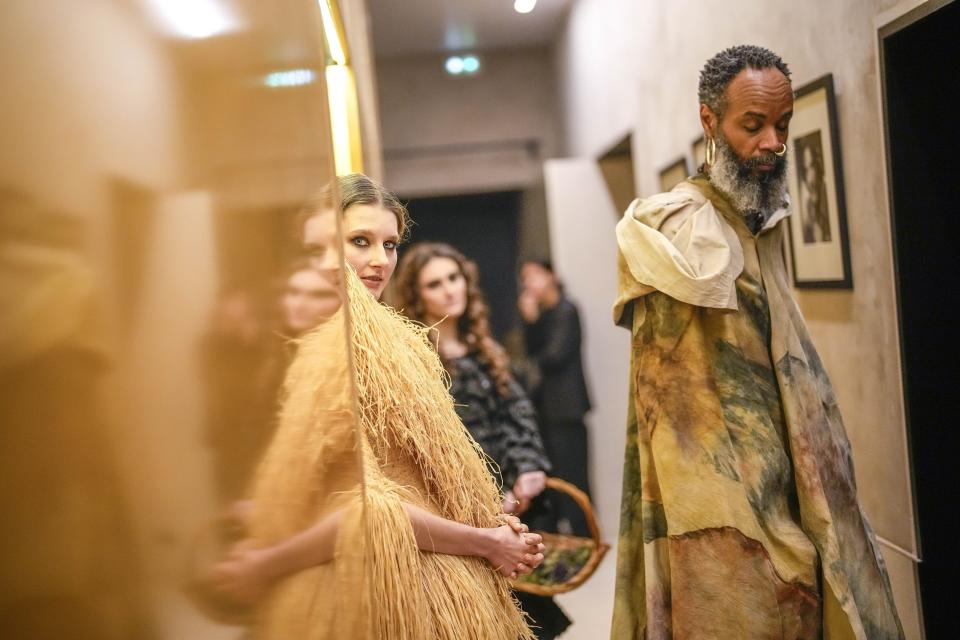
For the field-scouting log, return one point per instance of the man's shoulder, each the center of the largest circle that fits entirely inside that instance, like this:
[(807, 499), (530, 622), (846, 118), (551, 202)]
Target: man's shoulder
[(679, 244), (666, 212)]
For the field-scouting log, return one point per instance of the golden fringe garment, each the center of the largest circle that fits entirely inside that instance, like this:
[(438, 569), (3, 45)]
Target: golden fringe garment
[(739, 516), (398, 440)]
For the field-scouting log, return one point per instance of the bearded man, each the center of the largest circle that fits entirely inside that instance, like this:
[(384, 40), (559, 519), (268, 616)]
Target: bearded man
[(740, 517)]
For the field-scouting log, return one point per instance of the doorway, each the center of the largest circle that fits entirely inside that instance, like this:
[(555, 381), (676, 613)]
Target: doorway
[(484, 227), (616, 166), (919, 53)]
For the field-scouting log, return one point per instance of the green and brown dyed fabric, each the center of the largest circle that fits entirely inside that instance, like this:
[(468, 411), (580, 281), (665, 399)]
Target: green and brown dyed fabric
[(740, 516)]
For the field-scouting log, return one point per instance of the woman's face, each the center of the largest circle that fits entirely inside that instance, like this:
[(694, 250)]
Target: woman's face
[(370, 235), (307, 300), (534, 279), (320, 244), (443, 290)]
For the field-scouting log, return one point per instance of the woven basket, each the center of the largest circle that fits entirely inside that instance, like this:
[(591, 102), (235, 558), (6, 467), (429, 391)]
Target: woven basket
[(568, 560)]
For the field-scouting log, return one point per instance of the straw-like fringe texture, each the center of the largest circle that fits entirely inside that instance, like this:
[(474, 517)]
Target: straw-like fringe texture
[(458, 598), (313, 455), (406, 411), (407, 422), (403, 404), (396, 608)]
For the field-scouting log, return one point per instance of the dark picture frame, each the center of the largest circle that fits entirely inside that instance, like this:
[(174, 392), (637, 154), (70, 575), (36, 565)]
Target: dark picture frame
[(819, 244), (673, 174)]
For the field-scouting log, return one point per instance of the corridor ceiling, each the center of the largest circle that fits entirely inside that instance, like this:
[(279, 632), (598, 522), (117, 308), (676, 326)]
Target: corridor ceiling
[(405, 27)]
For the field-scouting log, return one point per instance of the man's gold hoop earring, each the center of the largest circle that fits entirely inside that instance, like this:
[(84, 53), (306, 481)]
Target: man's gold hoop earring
[(782, 152), (711, 151)]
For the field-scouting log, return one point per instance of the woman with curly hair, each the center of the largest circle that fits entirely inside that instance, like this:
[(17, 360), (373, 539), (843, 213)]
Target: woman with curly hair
[(438, 286)]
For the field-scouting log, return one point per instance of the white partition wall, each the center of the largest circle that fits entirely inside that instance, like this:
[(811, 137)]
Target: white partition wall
[(584, 250)]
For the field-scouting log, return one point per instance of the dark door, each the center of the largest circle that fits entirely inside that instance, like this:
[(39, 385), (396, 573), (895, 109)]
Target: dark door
[(920, 61), (485, 227)]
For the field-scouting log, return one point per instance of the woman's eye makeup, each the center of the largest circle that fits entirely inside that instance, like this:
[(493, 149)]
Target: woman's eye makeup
[(360, 241)]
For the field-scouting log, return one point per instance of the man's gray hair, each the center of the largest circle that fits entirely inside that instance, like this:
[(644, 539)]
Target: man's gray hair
[(723, 67)]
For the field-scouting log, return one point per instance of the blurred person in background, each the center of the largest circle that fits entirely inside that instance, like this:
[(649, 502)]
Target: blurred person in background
[(439, 287), (553, 338), (237, 413)]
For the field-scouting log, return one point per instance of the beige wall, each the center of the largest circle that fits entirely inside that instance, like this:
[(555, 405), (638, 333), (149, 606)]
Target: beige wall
[(422, 107), (424, 112), (625, 66)]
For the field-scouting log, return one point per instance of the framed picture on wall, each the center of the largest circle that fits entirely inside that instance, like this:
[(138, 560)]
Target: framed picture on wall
[(819, 247), (674, 173), (698, 151)]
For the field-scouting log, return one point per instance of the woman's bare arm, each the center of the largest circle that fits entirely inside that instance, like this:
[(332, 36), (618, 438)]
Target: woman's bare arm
[(248, 571)]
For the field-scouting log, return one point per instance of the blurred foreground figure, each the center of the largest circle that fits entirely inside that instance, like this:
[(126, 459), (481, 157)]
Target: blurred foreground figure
[(373, 512), (245, 358), (67, 563), (740, 516)]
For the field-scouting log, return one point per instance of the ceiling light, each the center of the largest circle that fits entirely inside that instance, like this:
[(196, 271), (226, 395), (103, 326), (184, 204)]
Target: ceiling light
[(524, 6), (471, 64), (462, 65), (193, 18), (454, 65), (290, 78)]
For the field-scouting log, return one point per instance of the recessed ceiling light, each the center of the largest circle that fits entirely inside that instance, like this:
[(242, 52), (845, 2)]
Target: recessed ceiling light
[(454, 65), (193, 18), (524, 6), (462, 65), (471, 64)]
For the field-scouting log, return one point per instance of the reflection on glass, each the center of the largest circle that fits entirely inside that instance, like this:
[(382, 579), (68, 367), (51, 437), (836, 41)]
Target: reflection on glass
[(181, 388), (150, 183)]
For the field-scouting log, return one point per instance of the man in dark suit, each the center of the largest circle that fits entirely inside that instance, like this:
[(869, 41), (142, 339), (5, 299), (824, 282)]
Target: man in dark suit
[(553, 339)]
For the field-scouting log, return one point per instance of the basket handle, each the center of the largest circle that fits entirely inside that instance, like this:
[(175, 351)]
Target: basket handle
[(582, 501)]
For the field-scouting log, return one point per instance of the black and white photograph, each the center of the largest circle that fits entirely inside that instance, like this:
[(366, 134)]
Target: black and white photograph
[(819, 247), (811, 203)]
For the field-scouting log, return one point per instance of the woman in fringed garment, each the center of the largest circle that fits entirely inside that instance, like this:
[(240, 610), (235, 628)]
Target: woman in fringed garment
[(374, 514), (439, 286)]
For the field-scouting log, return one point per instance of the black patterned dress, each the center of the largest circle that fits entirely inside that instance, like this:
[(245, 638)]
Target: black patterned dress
[(505, 426)]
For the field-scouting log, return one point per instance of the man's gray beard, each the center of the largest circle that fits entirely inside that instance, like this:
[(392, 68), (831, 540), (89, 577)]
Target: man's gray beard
[(748, 192)]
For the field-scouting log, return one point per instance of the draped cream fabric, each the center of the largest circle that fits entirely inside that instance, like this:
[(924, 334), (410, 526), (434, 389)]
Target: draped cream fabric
[(739, 516), (397, 439)]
